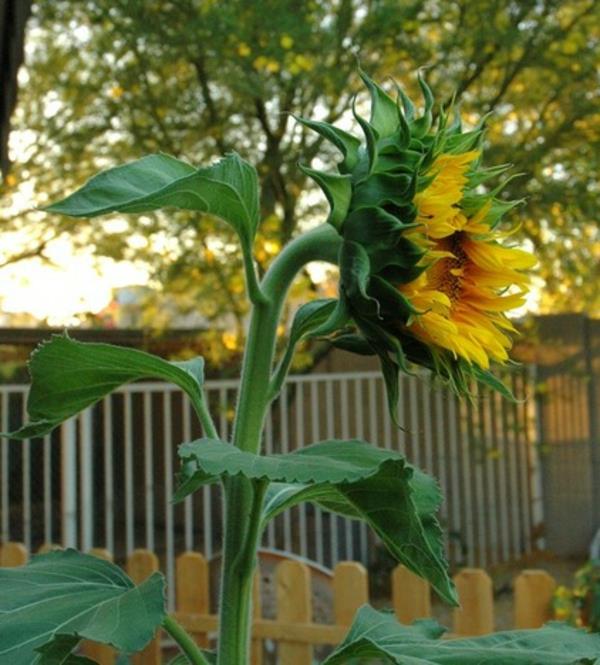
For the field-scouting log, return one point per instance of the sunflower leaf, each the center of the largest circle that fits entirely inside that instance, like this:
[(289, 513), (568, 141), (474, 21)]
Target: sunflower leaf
[(378, 635), (68, 376), (104, 606), (309, 318), (348, 477), (227, 189)]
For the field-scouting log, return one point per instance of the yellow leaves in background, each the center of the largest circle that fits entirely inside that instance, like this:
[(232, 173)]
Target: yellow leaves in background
[(292, 63), (209, 256), (10, 180), (266, 64), (266, 250), (230, 340), (301, 63), (286, 42), (116, 92), (244, 50)]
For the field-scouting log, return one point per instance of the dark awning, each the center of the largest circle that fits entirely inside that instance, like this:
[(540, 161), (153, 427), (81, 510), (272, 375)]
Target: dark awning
[(13, 17)]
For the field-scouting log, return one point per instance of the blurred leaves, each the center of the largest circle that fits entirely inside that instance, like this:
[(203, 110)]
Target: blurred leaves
[(107, 82)]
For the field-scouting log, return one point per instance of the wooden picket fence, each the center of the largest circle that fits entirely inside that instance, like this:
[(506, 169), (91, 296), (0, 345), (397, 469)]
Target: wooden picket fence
[(293, 628)]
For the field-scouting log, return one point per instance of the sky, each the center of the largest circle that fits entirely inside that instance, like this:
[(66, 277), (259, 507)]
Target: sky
[(73, 283)]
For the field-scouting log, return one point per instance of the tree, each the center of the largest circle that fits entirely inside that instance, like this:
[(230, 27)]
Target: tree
[(111, 81)]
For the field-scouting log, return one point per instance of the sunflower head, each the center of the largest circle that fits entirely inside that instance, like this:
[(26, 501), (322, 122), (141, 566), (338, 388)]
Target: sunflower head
[(425, 274)]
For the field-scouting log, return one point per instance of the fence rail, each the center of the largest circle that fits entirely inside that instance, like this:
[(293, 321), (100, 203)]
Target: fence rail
[(104, 479), (293, 627)]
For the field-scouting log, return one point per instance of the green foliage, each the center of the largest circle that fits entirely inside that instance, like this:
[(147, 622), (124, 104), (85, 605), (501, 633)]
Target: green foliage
[(102, 604), (68, 376), (378, 637), (347, 477)]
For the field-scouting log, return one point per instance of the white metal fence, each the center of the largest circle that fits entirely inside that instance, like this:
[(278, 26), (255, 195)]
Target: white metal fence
[(105, 478)]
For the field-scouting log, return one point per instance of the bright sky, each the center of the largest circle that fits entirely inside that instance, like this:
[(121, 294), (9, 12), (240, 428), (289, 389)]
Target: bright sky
[(73, 283)]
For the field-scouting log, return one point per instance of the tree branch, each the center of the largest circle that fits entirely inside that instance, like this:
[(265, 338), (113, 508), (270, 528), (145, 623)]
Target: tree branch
[(199, 64)]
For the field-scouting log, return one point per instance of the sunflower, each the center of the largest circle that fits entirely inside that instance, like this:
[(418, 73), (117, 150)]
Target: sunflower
[(426, 277), (471, 280)]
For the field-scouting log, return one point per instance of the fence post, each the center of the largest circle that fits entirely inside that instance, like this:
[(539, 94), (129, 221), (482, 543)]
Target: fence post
[(140, 565), (294, 606), (12, 555), (411, 595), (86, 470), (68, 470), (350, 591), (533, 598), (256, 655), (192, 587), (99, 653), (475, 616)]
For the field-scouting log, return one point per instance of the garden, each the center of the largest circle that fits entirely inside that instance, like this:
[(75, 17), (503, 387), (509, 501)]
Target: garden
[(306, 204)]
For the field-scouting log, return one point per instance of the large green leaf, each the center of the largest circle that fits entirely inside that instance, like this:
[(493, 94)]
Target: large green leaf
[(401, 526), (348, 477), (378, 637), (227, 189), (68, 376), (66, 594)]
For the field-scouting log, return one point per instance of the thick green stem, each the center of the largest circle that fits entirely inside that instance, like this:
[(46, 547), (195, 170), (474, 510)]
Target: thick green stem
[(322, 244), (243, 507), (185, 641), (244, 498)]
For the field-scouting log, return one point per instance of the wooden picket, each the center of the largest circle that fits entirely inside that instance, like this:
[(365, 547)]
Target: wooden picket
[(12, 555), (475, 616), (411, 596), (293, 628), (294, 605), (533, 598), (192, 587)]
